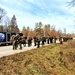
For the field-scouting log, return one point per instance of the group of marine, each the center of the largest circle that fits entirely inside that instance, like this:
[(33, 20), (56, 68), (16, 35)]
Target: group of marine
[(18, 40)]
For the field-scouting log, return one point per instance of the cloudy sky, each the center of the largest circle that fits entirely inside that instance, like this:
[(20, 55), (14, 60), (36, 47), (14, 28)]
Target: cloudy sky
[(53, 12)]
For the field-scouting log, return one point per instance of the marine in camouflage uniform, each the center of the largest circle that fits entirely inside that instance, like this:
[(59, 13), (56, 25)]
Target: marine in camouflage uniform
[(60, 39), (29, 39), (43, 39), (51, 39), (35, 41), (14, 42), (23, 40), (48, 40), (19, 41), (38, 41)]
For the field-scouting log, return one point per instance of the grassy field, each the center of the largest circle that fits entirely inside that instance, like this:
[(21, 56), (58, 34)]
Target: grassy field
[(54, 59)]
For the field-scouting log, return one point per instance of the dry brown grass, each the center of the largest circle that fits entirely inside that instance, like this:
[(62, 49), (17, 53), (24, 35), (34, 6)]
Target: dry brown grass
[(69, 44), (53, 59)]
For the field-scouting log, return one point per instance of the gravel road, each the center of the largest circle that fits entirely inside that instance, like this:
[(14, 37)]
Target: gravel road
[(7, 50)]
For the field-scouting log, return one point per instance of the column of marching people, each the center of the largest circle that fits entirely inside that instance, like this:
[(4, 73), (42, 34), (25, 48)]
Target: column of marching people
[(18, 41)]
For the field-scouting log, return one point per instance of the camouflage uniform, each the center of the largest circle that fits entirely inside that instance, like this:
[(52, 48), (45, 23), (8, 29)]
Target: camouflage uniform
[(43, 40), (29, 39), (48, 40), (60, 39), (14, 42), (19, 41), (23, 38), (35, 41), (51, 39), (38, 41)]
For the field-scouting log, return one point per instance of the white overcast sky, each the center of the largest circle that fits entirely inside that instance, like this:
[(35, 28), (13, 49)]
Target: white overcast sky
[(53, 12)]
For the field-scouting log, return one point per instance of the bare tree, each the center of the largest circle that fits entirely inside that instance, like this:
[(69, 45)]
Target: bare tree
[(6, 23), (2, 13), (72, 3)]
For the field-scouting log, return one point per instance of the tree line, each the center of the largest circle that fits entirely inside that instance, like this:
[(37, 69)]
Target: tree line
[(9, 25), (39, 29)]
